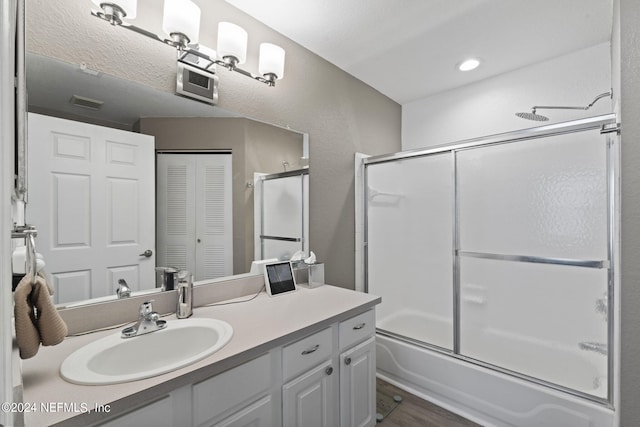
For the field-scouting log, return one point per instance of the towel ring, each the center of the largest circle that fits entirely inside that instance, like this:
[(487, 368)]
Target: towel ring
[(29, 233), (32, 259)]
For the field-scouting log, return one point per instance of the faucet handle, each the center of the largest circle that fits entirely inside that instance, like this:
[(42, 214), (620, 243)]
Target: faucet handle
[(146, 308)]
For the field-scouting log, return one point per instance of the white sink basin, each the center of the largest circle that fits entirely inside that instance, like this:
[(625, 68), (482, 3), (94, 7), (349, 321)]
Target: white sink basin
[(114, 359)]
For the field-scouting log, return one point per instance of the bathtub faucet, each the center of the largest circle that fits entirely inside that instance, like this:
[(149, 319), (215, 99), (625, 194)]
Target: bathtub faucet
[(594, 346)]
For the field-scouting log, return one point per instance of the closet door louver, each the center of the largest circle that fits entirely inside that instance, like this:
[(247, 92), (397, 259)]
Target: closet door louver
[(195, 224)]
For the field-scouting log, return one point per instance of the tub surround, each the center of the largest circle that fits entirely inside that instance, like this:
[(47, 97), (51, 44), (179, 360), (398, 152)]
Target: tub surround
[(260, 325)]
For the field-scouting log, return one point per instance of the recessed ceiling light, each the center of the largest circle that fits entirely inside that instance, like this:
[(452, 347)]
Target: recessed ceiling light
[(469, 64)]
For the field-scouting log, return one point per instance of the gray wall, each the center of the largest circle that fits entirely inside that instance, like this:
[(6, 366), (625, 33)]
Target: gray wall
[(626, 46), (341, 114)]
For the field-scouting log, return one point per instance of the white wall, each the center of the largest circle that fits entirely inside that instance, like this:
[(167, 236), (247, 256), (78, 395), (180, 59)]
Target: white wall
[(627, 65), (488, 107), (7, 31)]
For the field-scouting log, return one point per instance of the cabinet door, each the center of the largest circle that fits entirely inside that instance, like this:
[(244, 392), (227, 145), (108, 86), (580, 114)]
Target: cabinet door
[(159, 413), (358, 385), (259, 414), (309, 400)]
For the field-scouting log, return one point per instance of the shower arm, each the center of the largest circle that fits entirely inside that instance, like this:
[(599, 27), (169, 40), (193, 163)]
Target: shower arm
[(552, 107)]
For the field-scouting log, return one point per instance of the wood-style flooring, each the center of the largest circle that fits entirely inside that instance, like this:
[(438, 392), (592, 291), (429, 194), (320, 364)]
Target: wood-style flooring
[(417, 412)]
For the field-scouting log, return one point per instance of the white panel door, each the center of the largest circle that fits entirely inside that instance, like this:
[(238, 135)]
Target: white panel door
[(92, 198), (309, 399), (195, 213), (358, 385)]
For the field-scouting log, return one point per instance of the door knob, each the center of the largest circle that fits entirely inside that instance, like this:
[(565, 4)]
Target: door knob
[(147, 253), (347, 361)]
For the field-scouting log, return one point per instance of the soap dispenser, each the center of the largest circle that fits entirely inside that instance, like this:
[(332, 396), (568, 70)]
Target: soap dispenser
[(184, 308), (168, 278)]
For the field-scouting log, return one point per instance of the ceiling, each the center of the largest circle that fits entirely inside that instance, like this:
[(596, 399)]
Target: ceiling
[(409, 49)]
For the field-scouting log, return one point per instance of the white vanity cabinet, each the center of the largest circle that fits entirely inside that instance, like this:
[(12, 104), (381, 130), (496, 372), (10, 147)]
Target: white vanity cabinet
[(310, 382), (331, 382), (358, 371), (314, 365)]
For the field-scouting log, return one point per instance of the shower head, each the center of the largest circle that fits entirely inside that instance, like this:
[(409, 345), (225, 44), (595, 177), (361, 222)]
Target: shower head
[(533, 116), (537, 117)]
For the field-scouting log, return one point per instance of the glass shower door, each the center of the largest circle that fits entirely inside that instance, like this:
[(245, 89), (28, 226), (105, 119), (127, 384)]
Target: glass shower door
[(534, 258), (410, 247)]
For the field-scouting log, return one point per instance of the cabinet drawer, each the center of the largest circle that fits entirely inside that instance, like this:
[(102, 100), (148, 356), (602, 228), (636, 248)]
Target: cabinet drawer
[(306, 353), (357, 329)]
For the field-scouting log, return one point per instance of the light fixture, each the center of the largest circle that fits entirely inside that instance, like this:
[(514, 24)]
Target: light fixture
[(469, 64), (271, 64), (181, 23), (232, 44), (114, 12)]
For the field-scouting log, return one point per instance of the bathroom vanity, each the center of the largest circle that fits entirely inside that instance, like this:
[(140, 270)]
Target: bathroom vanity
[(306, 358)]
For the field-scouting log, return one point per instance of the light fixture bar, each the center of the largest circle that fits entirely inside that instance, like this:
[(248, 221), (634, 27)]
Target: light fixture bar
[(113, 14), (268, 79)]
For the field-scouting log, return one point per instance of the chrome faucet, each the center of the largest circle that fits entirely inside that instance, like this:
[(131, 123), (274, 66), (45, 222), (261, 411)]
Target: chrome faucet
[(148, 321), (123, 291)]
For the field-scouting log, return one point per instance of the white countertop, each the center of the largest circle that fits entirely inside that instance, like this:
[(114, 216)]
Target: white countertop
[(258, 326)]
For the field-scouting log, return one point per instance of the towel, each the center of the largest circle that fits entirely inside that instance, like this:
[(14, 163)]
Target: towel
[(36, 318), (27, 335)]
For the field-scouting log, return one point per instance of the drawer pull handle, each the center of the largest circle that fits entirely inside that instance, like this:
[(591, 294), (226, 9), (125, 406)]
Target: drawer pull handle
[(359, 326), (347, 361), (329, 370), (311, 349)]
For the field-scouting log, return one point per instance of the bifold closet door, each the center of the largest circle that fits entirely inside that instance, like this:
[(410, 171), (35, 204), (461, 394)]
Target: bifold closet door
[(534, 257), (409, 254), (195, 217)]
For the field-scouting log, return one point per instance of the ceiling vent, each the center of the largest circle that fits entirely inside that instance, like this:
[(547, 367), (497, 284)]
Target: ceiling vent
[(81, 101)]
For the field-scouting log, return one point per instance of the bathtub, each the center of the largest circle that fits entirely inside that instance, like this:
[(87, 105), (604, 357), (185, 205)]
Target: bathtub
[(486, 396)]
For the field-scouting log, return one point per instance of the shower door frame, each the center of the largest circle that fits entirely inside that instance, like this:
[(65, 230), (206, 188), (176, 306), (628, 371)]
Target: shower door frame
[(608, 125)]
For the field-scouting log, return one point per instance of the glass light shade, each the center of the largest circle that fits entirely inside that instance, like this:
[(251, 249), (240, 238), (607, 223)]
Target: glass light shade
[(271, 60), (232, 41), (181, 16), (129, 7)]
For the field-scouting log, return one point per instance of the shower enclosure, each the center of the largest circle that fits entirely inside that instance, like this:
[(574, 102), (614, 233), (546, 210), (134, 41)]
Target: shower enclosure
[(495, 260)]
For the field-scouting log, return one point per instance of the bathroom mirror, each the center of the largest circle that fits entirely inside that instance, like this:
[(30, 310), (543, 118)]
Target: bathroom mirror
[(55, 87)]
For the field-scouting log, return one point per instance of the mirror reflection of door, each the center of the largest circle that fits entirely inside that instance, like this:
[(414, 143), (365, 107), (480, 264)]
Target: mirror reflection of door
[(92, 198), (281, 203), (195, 213)]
